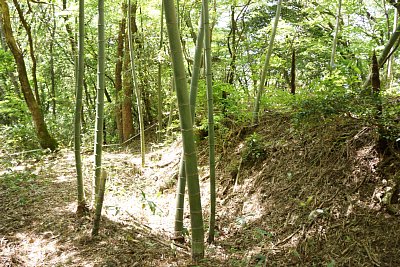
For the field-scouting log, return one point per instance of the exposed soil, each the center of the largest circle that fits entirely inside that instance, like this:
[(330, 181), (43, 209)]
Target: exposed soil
[(286, 197)]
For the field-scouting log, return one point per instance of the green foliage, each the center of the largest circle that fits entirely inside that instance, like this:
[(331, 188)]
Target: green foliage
[(13, 110), (390, 119), (6, 61), (18, 137), (254, 148), (64, 134), (149, 203), (20, 184), (321, 105)]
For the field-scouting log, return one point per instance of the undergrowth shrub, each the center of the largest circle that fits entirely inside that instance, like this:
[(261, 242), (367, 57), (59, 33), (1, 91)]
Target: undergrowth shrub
[(13, 110), (254, 149), (18, 137), (390, 119)]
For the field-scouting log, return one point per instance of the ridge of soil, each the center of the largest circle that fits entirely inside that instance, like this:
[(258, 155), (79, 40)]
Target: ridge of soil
[(287, 196)]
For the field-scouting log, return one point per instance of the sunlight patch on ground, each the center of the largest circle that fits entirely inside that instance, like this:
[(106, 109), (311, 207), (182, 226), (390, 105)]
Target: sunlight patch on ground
[(63, 178), (35, 250)]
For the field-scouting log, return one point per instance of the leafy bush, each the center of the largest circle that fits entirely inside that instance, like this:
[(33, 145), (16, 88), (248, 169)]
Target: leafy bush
[(13, 110), (254, 148)]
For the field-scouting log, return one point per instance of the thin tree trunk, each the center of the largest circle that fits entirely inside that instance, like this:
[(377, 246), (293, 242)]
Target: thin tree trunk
[(27, 28), (131, 28), (69, 31), (266, 63), (189, 146), (211, 134), (334, 43), (391, 59), (159, 74), (52, 73), (180, 197), (232, 51), (189, 24), (78, 111), (98, 139), (99, 203), (171, 107), (118, 74), (45, 140), (127, 107), (293, 73)]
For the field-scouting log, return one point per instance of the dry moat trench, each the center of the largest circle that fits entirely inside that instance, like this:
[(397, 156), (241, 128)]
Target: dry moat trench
[(286, 197)]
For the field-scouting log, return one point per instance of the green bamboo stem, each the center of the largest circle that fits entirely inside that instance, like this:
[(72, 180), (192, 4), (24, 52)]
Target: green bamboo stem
[(136, 88), (159, 85), (189, 146), (98, 140), (266, 64), (211, 134), (180, 197), (78, 108), (99, 203)]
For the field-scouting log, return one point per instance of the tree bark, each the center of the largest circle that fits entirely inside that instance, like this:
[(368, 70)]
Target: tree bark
[(127, 107), (27, 28), (293, 73), (118, 74), (45, 140), (131, 27)]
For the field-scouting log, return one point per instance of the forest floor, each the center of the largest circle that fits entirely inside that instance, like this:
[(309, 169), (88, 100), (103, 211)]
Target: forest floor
[(287, 196)]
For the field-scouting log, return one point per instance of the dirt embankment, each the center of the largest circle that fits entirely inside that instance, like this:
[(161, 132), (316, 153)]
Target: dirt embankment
[(305, 195), (310, 195)]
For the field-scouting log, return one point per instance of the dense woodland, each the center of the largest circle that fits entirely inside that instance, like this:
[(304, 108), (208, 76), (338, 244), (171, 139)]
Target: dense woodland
[(199, 133)]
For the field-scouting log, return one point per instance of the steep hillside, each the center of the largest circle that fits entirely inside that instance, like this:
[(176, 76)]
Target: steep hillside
[(289, 194), (309, 195)]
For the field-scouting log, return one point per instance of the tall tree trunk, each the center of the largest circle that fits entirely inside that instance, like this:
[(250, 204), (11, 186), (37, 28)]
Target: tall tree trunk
[(27, 28), (98, 139), (78, 111), (210, 107), (188, 22), (232, 51), (382, 142), (10, 73), (131, 28), (45, 140), (391, 59), (159, 76), (293, 73), (189, 146), (127, 107), (52, 72), (118, 73), (266, 64), (334, 43), (69, 31), (180, 197)]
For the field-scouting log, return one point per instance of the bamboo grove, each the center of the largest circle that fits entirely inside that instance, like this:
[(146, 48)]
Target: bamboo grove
[(107, 73)]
